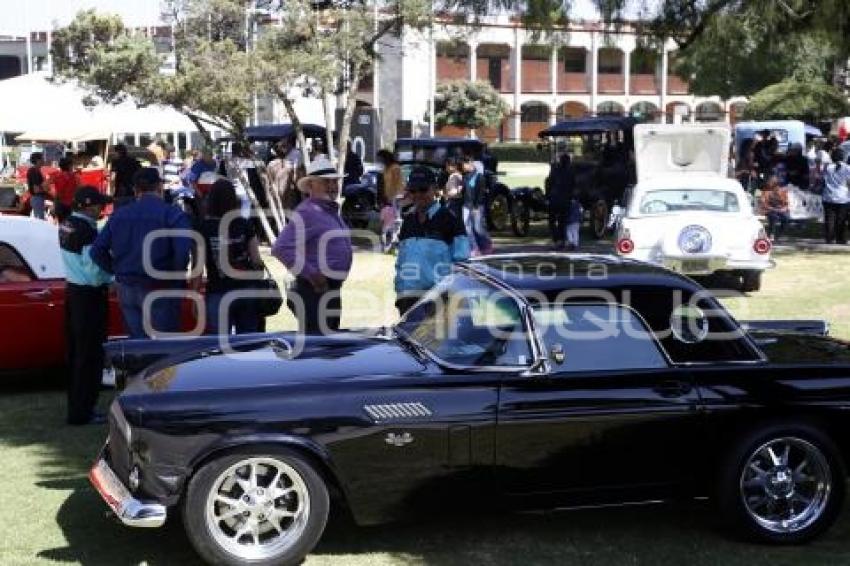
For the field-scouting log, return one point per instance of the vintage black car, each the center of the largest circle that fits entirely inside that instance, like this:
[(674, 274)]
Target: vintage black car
[(530, 380), (433, 152), (600, 148)]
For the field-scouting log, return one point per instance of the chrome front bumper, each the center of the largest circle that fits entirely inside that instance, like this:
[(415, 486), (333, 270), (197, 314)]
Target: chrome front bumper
[(130, 510), (711, 264)]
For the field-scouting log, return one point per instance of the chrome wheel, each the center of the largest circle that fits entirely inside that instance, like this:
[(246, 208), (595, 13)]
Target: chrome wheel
[(786, 485), (258, 508)]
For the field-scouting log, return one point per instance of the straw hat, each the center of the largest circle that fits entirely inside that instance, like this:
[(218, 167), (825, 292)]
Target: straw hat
[(322, 168)]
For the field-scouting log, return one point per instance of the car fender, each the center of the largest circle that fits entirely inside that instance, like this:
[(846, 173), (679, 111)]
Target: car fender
[(306, 446)]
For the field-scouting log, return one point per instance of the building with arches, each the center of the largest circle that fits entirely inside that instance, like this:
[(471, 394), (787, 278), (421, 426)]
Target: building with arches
[(585, 69)]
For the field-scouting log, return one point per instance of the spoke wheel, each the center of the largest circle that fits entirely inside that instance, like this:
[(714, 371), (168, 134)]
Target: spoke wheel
[(782, 483), (786, 484), (258, 508), (266, 508)]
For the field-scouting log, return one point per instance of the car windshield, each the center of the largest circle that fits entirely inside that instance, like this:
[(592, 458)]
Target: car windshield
[(466, 322), (673, 200)]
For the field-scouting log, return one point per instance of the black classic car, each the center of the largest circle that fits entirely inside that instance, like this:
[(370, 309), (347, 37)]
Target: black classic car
[(543, 380), (601, 149), (434, 152)]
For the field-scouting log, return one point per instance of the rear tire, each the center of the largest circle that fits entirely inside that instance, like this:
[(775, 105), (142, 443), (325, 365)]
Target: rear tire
[(750, 281), (784, 483), (260, 507)]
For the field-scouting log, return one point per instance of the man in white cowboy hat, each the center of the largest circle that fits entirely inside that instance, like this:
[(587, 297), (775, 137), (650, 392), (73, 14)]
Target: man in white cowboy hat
[(315, 246)]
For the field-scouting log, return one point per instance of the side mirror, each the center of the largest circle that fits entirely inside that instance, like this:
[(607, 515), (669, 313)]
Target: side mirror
[(556, 352)]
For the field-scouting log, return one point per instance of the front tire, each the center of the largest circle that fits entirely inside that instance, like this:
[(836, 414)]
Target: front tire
[(782, 484), (257, 507)]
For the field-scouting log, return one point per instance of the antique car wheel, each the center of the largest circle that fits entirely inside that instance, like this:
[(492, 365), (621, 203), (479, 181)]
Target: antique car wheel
[(599, 218), (750, 281), (266, 507), (499, 212), (520, 218), (784, 483)]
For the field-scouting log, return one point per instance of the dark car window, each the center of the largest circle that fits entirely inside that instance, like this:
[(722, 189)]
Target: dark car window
[(466, 322), (13, 269), (723, 340), (597, 337)]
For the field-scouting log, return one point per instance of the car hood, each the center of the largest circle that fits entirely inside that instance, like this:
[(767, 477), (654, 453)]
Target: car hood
[(794, 348), (661, 149), (273, 363)]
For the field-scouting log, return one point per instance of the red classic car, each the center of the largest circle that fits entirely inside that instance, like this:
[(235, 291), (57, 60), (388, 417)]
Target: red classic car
[(32, 297)]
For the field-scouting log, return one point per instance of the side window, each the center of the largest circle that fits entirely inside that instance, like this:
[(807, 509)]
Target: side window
[(468, 323), (597, 337), (13, 269)]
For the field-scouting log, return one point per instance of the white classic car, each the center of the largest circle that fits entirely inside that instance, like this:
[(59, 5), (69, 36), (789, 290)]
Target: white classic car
[(684, 213)]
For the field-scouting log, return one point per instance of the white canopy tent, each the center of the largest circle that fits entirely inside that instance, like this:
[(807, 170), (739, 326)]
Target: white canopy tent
[(46, 111)]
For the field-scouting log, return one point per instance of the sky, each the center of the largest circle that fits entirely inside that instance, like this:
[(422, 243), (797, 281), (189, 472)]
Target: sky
[(17, 16)]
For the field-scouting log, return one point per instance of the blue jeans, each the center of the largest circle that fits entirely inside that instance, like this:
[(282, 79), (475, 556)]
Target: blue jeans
[(37, 204), (475, 222), (776, 223), (242, 316), (163, 315)]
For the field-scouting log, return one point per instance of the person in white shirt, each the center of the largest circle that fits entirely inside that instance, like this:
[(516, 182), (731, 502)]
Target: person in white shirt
[(836, 198)]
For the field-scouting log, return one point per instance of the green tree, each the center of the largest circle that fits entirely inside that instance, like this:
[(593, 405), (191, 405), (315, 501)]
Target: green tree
[(212, 84), (468, 104), (792, 99), (740, 56)]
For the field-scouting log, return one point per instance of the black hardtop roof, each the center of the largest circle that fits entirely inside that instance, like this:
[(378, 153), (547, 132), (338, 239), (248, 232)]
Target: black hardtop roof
[(439, 141), (554, 272)]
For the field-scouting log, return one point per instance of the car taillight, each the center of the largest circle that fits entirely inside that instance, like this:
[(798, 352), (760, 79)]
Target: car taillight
[(625, 246), (762, 246)]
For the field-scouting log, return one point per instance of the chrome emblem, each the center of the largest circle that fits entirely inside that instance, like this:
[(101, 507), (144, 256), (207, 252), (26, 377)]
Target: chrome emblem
[(694, 239), (398, 439)]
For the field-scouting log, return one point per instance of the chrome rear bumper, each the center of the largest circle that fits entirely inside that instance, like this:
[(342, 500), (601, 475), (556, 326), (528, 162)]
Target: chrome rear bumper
[(130, 510)]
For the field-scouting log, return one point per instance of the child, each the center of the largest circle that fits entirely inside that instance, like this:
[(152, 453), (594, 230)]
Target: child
[(388, 227), (574, 217)]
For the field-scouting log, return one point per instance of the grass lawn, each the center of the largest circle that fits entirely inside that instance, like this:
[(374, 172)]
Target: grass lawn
[(51, 515)]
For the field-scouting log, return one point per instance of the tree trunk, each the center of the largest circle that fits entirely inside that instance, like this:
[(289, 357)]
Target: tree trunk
[(329, 140), (296, 125), (345, 127), (255, 203), (208, 140)]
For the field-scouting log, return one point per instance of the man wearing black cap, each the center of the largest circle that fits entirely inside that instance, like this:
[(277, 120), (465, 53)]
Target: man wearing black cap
[(86, 304), (130, 247), (430, 240)]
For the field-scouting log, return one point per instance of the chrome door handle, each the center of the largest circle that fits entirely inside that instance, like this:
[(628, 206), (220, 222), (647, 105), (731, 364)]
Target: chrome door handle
[(43, 294)]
